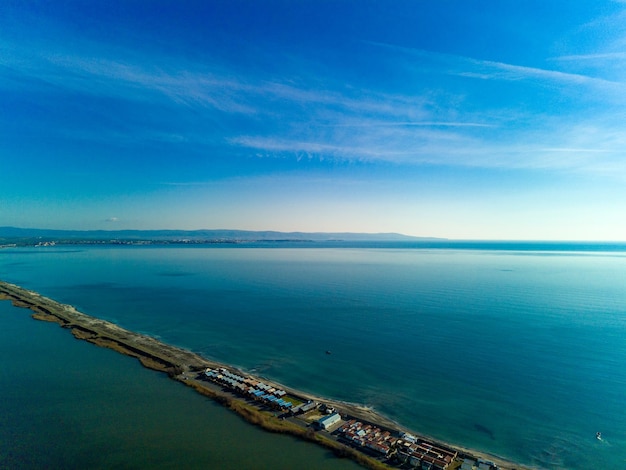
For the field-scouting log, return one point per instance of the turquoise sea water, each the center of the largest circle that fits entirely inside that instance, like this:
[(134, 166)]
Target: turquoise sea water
[(516, 350)]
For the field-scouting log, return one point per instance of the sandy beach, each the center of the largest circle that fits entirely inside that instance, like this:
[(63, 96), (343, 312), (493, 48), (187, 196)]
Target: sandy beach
[(185, 366)]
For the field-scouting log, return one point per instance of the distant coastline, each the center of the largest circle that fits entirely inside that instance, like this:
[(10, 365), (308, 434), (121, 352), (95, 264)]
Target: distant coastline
[(14, 236), (191, 369)]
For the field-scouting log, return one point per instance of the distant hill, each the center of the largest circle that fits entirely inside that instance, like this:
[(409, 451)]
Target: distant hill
[(17, 235)]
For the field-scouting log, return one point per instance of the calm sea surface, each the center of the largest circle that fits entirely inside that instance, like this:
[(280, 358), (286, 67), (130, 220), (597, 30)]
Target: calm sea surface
[(515, 350)]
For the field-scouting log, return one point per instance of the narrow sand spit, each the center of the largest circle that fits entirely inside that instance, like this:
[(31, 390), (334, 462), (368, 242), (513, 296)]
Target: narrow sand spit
[(183, 365)]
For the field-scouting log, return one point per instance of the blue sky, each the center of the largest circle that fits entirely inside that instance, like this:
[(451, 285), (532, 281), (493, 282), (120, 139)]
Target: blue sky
[(456, 119)]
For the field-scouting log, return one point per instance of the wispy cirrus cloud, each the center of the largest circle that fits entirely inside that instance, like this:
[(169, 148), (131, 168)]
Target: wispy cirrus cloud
[(200, 85), (605, 64), (602, 56), (584, 148), (301, 119), (503, 71), (493, 70)]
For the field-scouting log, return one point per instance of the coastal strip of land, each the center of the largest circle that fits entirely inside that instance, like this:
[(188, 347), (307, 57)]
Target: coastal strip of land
[(349, 430)]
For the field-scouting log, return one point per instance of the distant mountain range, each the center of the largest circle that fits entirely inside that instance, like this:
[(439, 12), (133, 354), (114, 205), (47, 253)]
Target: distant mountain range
[(30, 235)]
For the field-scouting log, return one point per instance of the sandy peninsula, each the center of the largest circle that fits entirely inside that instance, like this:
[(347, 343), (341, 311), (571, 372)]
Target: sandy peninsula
[(192, 370)]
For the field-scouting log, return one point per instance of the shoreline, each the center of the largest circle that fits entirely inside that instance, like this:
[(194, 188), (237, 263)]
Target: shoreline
[(188, 368)]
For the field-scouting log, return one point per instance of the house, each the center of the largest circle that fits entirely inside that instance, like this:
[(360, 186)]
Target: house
[(328, 421)]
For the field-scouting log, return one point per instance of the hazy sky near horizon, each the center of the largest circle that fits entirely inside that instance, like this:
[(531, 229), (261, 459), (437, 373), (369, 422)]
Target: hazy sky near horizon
[(450, 118)]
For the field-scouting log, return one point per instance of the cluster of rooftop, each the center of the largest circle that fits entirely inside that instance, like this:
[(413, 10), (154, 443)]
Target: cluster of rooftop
[(369, 436), (417, 452), (407, 450), (248, 386)]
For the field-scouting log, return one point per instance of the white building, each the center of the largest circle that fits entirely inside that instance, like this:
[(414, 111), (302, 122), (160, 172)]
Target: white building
[(328, 421)]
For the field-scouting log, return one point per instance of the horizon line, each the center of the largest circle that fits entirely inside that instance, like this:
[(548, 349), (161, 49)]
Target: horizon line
[(340, 232)]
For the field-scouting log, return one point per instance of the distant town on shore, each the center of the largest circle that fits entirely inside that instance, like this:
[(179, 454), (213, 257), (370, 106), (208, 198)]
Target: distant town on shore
[(14, 236)]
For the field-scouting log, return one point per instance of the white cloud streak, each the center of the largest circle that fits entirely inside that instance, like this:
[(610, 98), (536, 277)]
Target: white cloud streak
[(494, 70), (593, 57), (301, 120)]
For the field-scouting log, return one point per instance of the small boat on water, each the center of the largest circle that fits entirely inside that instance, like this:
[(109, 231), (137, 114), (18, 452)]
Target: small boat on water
[(599, 436)]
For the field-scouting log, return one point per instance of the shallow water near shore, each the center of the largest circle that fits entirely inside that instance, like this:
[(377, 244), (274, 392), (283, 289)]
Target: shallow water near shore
[(519, 353)]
